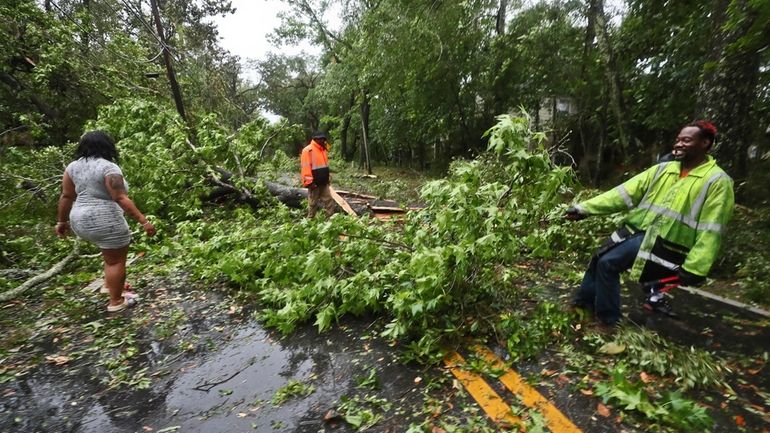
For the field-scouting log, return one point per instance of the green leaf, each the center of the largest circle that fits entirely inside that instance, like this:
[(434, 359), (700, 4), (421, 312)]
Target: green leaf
[(612, 348)]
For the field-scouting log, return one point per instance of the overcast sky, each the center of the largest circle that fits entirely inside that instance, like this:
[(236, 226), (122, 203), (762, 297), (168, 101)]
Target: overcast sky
[(244, 33)]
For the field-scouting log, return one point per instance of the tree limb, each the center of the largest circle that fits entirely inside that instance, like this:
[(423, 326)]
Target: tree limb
[(37, 279)]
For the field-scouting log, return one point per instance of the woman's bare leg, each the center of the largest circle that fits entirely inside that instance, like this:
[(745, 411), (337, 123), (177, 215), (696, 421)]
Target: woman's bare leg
[(115, 273)]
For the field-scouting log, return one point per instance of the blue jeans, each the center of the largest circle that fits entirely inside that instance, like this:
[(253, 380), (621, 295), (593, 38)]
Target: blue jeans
[(600, 288)]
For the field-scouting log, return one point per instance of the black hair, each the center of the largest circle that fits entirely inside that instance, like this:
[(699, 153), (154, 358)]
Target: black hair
[(97, 144), (318, 135), (707, 130)]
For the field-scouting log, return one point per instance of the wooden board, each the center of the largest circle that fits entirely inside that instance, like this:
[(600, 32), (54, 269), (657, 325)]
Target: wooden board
[(355, 194), (341, 201), (386, 209)]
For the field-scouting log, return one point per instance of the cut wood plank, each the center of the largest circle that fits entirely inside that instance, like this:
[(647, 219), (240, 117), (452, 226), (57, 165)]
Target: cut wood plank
[(396, 217), (341, 201), (354, 194), (387, 209)]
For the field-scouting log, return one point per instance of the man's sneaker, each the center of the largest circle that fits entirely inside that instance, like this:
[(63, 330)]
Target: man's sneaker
[(661, 306)]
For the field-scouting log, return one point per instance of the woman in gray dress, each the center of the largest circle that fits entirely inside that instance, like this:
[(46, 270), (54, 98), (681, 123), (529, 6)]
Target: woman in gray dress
[(92, 203)]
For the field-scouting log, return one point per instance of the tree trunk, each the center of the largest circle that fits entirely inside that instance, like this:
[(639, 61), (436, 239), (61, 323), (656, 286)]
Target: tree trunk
[(347, 154), (85, 36), (365, 107), (421, 155), (224, 188), (554, 114), (290, 196), (728, 88), (602, 139), (611, 71), (584, 89), (175, 90), (500, 21)]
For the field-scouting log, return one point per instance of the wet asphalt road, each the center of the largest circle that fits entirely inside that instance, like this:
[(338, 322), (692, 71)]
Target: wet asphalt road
[(229, 389)]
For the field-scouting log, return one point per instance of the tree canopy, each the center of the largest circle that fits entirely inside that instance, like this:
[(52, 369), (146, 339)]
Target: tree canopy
[(419, 81)]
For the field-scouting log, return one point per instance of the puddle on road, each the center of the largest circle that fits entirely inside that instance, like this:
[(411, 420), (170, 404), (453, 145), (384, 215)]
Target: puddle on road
[(229, 390), (251, 367)]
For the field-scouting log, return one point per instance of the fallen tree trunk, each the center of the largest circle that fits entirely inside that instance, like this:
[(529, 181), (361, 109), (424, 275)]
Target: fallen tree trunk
[(290, 196), (225, 189), (37, 279)]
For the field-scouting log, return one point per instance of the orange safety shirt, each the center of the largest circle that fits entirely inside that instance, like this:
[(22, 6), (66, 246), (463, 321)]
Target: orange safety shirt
[(315, 164)]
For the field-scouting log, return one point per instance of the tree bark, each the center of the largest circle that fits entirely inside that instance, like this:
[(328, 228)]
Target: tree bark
[(347, 154), (365, 107), (500, 21), (175, 90), (584, 89), (86, 35), (221, 179), (37, 279)]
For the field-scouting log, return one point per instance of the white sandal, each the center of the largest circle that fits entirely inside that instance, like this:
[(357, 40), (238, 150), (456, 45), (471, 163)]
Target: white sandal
[(129, 300)]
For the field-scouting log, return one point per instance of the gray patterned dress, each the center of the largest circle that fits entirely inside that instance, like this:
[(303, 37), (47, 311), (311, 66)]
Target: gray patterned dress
[(95, 216)]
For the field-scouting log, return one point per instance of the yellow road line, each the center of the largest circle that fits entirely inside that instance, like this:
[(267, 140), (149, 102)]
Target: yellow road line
[(495, 407), (555, 420)]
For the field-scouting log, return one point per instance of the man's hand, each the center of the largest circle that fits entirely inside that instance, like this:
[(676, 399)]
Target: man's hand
[(689, 279), (572, 214)]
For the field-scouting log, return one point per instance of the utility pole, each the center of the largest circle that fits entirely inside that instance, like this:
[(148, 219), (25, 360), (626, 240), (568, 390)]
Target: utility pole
[(365, 128)]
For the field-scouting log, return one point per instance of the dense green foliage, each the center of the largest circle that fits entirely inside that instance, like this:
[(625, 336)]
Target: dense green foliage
[(612, 83), (670, 409), (420, 82), (443, 273)]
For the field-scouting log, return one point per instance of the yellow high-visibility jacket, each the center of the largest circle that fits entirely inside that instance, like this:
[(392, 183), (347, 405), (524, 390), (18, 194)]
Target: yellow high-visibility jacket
[(683, 219)]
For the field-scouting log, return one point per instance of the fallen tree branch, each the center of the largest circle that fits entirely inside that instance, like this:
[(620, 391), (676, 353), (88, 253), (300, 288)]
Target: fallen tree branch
[(37, 279), (282, 127)]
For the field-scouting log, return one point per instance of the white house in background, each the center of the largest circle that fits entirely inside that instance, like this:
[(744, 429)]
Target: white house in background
[(556, 107)]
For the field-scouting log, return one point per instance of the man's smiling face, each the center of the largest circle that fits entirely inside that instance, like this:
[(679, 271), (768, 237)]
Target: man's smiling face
[(690, 145)]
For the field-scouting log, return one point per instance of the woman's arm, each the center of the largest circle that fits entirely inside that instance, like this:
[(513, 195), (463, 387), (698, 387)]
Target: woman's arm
[(67, 197), (117, 189)]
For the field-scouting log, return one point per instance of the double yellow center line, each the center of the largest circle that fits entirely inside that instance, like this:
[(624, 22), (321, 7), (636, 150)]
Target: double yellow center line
[(494, 405)]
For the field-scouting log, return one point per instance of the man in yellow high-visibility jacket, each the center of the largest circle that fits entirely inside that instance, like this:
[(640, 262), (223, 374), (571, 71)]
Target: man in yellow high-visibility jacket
[(677, 213)]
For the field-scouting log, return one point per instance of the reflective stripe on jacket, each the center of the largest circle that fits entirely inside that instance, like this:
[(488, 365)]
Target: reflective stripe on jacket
[(683, 219), (315, 164)]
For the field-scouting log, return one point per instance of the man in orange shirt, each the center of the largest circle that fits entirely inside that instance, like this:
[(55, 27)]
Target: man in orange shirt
[(315, 175)]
